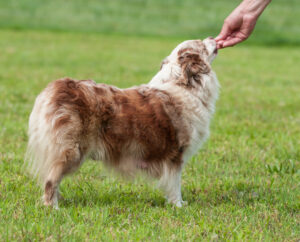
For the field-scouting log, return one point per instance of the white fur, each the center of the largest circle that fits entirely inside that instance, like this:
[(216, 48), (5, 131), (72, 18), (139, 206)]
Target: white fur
[(198, 117)]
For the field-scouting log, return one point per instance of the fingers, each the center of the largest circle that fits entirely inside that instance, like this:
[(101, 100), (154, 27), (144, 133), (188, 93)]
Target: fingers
[(224, 34), (220, 44), (236, 28), (225, 31), (234, 37), (231, 42)]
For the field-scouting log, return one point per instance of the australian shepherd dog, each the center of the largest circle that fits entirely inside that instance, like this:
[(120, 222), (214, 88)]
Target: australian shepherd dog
[(153, 128)]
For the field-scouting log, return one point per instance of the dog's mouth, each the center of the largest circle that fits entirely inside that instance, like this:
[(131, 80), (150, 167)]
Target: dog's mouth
[(211, 47), (216, 51)]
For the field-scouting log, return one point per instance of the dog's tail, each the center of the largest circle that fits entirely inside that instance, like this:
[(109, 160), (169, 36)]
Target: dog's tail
[(53, 124), (39, 151)]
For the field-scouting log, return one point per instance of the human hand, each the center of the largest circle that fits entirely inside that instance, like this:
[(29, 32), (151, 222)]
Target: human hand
[(240, 23), (237, 28)]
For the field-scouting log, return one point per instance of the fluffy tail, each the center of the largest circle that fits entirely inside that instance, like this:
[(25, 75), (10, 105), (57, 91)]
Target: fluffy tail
[(40, 151), (53, 128)]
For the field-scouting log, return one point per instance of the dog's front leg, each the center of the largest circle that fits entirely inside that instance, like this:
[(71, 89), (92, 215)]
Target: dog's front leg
[(170, 183)]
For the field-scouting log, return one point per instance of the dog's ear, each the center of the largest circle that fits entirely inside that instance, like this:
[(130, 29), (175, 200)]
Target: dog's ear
[(165, 61), (192, 67)]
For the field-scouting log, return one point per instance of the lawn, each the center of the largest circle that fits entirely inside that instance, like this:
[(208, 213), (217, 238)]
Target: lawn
[(242, 185)]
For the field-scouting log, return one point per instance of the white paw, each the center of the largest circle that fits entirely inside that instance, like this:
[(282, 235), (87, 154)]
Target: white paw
[(184, 203), (178, 204)]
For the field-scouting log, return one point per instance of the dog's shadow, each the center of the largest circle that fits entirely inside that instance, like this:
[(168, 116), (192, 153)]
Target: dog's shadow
[(240, 194), (94, 197)]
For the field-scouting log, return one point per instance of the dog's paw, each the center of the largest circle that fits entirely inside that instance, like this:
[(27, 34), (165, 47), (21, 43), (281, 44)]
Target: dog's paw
[(178, 203), (184, 203), (51, 203)]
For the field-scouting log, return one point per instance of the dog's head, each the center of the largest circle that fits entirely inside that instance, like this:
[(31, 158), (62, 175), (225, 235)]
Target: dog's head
[(188, 63)]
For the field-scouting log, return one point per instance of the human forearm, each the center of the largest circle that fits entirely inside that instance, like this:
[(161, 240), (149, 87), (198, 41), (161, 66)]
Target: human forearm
[(253, 7), (240, 23)]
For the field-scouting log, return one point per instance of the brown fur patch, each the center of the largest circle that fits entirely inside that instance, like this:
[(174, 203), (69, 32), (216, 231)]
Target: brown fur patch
[(62, 121), (49, 191), (183, 51), (148, 118), (141, 118), (193, 66)]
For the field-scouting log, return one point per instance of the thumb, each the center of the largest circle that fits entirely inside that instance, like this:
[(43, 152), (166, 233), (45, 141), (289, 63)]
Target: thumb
[(224, 32)]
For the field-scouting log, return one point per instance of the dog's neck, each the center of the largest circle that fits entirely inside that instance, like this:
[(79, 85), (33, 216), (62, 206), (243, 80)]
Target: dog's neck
[(207, 93), (169, 73)]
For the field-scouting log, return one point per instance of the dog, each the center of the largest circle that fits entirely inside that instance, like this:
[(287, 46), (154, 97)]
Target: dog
[(153, 128)]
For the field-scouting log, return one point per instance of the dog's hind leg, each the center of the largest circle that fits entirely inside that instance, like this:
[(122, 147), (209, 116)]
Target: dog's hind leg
[(68, 162)]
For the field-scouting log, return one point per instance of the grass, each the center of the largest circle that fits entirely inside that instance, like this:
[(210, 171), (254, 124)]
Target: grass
[(279, 25), (243, 184)]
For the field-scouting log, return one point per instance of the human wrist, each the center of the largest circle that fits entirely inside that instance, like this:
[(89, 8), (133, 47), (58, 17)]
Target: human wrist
[(253, 7)]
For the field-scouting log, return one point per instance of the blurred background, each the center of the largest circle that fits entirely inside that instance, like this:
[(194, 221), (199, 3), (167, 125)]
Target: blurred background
[(279, 24)]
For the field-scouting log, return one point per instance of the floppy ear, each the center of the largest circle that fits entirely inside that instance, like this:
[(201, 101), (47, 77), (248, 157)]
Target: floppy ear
[(165, 61), (192, 67)]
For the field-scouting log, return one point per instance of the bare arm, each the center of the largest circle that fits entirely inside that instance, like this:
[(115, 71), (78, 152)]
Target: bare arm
[(240, 23)]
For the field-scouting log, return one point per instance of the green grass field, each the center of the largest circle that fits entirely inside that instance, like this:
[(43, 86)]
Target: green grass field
[(242, 185)]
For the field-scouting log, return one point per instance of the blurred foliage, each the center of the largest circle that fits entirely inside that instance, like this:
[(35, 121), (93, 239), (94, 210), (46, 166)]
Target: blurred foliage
[(279, 24)]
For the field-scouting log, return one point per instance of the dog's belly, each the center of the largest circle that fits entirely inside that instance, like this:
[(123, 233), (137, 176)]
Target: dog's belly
[(133, 158)]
